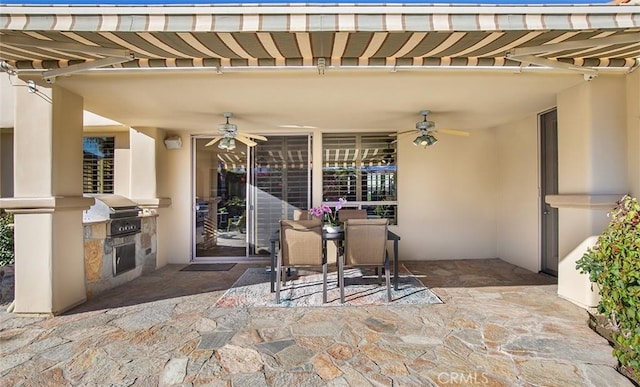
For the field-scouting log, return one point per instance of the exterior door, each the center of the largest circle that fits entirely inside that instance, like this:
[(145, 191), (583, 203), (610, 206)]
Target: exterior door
[(220, 200), (549, 186)]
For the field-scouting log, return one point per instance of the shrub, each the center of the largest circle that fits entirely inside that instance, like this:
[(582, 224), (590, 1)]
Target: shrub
[(614, 265), (7, 254)]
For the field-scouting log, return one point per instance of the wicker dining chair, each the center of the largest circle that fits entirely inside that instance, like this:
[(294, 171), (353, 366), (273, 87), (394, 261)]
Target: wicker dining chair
[(365, 245), (300, 246)]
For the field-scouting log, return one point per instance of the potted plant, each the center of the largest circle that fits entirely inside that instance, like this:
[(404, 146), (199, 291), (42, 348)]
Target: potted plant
[(329, 215), (613, 264)]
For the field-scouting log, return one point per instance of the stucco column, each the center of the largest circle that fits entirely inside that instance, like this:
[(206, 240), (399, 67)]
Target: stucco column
[(592, 154), (592, 174), (148, 176), (48, 201)]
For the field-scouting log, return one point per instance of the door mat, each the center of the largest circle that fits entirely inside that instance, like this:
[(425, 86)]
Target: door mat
[(208, 267), (253, 289)]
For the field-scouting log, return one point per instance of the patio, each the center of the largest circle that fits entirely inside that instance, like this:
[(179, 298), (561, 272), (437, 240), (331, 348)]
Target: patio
[(500, 325)]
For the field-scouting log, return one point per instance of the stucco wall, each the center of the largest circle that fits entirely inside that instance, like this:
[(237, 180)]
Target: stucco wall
[(143, 162), (592, 144), (447, 194), (517, 205), (7, 102), (174, 223), (633, 131)]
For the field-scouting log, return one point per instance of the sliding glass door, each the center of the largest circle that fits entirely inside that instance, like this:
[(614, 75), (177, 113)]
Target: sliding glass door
[(220, 200), (241, 194), (281, 184)]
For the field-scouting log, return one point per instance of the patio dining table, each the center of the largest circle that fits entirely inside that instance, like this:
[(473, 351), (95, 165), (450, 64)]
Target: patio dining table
[(337, 237)]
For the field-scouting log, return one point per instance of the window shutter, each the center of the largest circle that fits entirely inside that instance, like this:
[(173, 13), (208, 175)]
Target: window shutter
[(282, 177), (98, 164), (361, 168)]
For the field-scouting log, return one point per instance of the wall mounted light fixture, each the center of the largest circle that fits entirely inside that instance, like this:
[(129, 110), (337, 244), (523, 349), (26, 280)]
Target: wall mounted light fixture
[(173, 142)]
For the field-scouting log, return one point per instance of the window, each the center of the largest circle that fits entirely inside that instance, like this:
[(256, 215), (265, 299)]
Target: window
[(98, 164), (362, 169)]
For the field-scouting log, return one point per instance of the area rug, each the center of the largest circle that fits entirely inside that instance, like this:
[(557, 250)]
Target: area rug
[(304, 288), (208, 267)]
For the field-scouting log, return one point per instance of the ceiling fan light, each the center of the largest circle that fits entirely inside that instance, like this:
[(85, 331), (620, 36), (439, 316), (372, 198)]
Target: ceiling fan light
[(430, 140), (424, 140), (225, 143), (232, 144), (417, 141)]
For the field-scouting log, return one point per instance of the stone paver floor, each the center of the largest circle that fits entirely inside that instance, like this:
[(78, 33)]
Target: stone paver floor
[(499, 326)]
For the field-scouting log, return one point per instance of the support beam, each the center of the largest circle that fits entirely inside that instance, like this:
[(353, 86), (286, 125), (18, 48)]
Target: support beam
[(50, 76), (530, 59)]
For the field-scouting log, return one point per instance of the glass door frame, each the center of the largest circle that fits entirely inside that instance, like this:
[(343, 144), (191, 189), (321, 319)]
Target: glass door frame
[(193, 207), (250, 194)]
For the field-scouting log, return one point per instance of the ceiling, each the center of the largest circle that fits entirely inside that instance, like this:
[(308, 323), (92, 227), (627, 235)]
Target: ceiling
[(339, 100)]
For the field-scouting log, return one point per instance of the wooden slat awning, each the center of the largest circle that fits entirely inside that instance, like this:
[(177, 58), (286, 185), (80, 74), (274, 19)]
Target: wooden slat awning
[(261, 36)]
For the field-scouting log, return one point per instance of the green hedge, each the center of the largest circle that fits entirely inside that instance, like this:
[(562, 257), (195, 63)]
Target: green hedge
[(614, 264), (7, 254)]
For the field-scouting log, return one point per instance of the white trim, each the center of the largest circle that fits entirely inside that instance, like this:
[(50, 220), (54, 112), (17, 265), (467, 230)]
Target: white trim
[(261, 9), (584, 201), (514, 69)]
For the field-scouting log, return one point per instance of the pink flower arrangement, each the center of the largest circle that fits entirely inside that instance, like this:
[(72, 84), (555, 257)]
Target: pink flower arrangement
[(330, 215)]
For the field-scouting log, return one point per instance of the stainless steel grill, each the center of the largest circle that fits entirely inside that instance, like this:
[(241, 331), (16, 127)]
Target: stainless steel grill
[(122, 214)]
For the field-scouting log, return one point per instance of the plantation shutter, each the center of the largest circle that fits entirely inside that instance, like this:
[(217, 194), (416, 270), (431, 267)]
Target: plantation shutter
[(98, 164), (282, 179)]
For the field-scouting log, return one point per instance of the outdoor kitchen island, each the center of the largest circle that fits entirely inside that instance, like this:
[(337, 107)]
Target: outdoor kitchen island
[(120, 243)]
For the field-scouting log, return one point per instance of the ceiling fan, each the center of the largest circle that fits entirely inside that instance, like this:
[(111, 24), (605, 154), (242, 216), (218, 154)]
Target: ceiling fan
[(229, 133), (426, 129)]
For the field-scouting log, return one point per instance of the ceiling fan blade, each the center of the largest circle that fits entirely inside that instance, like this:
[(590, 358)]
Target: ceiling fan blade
[(453, 132), (213, 141), (254, 136), (402, 133), (245, 140)]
